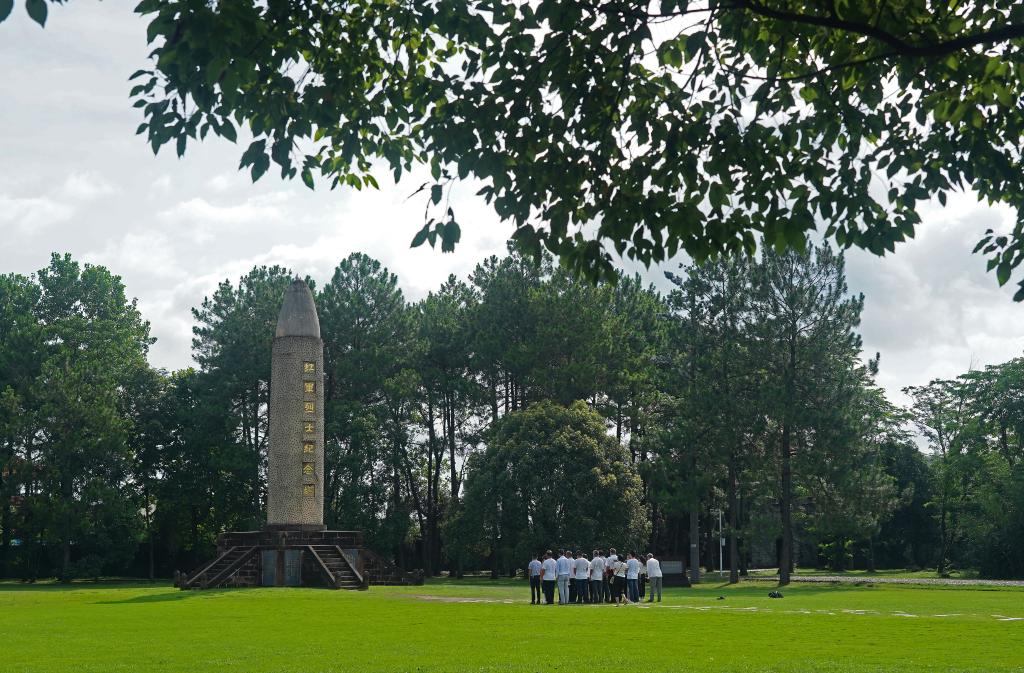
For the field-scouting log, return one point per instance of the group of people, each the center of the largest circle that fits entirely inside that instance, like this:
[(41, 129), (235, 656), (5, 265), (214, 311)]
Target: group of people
[(599, 579)]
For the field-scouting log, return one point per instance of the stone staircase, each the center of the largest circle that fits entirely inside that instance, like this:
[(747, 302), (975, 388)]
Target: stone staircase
[(336, 568), (221, 570)]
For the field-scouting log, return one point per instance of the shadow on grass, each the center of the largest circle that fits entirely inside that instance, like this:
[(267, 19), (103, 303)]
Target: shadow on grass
[(53, 585), (165, 590), (167, 597)]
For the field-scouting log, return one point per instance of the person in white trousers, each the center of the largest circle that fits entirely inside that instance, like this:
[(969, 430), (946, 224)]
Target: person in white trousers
[(564, 570)]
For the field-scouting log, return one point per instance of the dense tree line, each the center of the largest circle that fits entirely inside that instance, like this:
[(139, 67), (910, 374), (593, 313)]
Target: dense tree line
[(514, 409)]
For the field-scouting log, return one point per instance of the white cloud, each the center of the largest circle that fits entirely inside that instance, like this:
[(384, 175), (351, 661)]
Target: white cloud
[(162, 184), (223, 182), (32, 214), (203, 221), (86, 186), (147, 252), (930, 308), (199, 209)]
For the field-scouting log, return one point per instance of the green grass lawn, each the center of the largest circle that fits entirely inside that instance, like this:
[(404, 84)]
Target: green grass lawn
[(479, 625)]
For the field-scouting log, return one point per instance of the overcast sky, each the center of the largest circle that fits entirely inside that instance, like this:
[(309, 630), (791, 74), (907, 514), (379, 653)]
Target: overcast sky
[(74, 178)]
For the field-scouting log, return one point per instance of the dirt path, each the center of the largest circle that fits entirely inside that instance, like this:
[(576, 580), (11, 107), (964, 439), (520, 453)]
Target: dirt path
[(860, 579)]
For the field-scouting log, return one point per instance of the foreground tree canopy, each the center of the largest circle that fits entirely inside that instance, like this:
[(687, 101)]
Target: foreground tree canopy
[(654, 127)]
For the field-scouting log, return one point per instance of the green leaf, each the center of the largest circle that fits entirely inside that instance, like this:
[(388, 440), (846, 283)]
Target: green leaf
[(808, 93), (421, 236), (694, 43), (450, 235), (153, 30), (307, 177), (259, 166), (1003, 273), (227, 129), (182, 139), (37, 11), (435, 194), (5, 8)]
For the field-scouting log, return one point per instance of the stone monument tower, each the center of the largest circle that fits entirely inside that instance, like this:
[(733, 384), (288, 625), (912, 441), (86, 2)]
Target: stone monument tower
[(294, 548), (295, 457)]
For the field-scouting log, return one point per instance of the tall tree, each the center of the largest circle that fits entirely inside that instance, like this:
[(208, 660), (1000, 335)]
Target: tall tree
[(368, 341), (95, 343), (205, 470), (941, 413), (633, 336), (504, 319), (717, 297), (804, 322), (233, 335), (21, 349)]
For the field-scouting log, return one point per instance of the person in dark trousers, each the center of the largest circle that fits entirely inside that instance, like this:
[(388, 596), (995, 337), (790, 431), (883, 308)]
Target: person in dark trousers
[(548, 577), (597, 577), (609, 575), (533, 572), (581, 578), (619, 582), (633, 578), (572, 576)]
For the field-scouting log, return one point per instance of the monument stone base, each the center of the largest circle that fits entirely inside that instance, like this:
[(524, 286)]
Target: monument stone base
[(295, 556), (279, 556)]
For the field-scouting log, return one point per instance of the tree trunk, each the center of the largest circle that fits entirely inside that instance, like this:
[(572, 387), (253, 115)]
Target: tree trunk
[(5, 527), (694, 545), (455, 482), (420, 511), (428, 535), (734, 574), (618, 425), (785, 510), (149, 535), (941, 569), (67, 493)]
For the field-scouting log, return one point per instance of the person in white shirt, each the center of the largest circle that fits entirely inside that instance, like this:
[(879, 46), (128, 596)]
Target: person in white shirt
[(548, 575), (654, 575), (572, 556), (619, 581), (609, 581), (633, 577), (581, 578), (533, 573), (564, 570), (597, 577)]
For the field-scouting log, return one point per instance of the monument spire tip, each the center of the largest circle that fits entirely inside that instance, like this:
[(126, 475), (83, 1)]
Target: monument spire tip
[(298, 315)]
